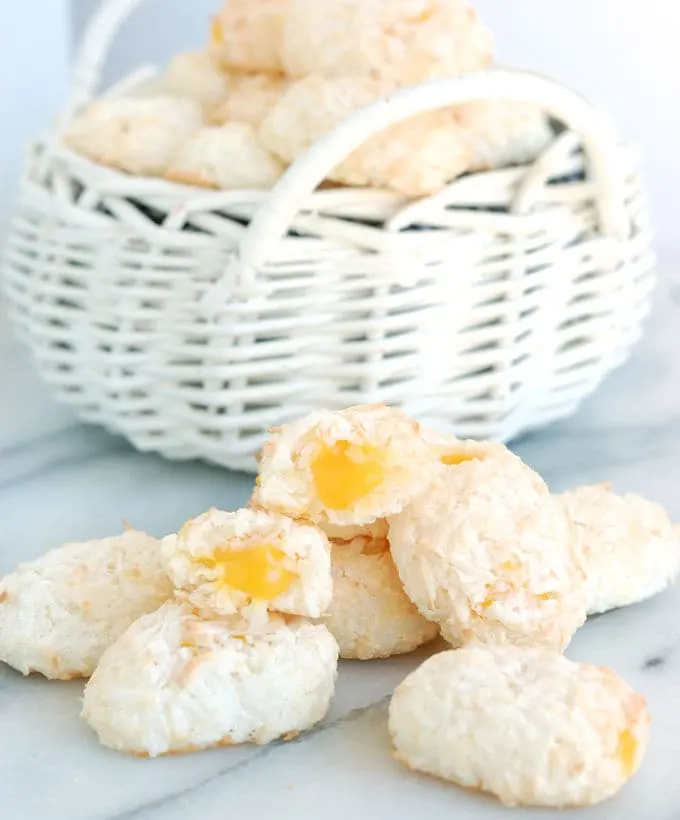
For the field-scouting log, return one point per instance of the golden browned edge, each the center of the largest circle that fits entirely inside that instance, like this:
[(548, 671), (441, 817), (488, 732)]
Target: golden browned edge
[(382, 655), (223, 743), (635, 705), (74, 676), (4, 596), (185, 750), (328, 184), (480, 790), (109, 162), (190, 178), (63, 676)]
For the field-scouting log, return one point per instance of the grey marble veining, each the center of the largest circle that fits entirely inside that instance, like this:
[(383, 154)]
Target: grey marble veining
[(61, 481)]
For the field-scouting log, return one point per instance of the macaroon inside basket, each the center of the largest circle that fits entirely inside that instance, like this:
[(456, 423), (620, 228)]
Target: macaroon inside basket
[(192, 320)]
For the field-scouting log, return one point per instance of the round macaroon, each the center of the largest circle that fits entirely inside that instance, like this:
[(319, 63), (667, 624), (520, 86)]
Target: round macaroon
[(502, 132), (250, 562), (177, 683), (59, 613), (251, 97), (526, 725), (370, 615), (631, 549), (488, 554), (415, 157), (229, 157), (344, 467), (246, 35), (197, 75), (139, 135), (404, 41)]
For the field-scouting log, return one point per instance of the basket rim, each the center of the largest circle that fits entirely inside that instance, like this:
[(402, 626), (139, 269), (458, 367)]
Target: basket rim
[(112, 181)]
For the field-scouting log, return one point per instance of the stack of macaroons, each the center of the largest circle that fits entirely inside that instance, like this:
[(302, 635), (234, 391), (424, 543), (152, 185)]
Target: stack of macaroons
[(505, 570), (366, 536), (233, 658), (347, 471), (278, 74), (201, 639)]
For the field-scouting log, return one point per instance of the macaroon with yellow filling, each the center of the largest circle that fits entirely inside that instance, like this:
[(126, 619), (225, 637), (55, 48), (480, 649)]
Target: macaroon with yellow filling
[(250, 562), (524, 724), (450, 450), (344, 467), (176, 682)]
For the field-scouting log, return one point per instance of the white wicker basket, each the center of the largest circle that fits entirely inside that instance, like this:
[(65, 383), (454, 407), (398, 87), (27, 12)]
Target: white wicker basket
[(191, 321)]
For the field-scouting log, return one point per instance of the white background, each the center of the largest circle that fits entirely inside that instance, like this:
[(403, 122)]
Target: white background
[(623, 53)]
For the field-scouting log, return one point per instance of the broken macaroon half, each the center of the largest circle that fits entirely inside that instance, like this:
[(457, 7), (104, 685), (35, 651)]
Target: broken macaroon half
[(250, 562), (346, 467)]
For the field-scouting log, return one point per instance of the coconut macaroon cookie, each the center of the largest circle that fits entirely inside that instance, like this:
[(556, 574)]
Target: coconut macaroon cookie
[(344, 467), (403, 41), (60, 612), (250, 98), (370, 615), (631, 549), (176, 683), (488, 554), (527, 725), (249, 562), (229, 156), (246, 35), (136, 134), (414, 157), (502, 133), (197, 75)]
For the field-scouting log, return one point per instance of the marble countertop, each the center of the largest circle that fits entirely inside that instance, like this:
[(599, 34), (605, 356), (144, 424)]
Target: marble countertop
[(60, 481)]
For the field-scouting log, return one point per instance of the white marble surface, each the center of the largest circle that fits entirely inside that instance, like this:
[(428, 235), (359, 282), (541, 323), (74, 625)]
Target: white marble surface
[(60, 481)]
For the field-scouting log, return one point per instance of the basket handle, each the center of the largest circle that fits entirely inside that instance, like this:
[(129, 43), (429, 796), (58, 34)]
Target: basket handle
[(99, 35), (272, 220)]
